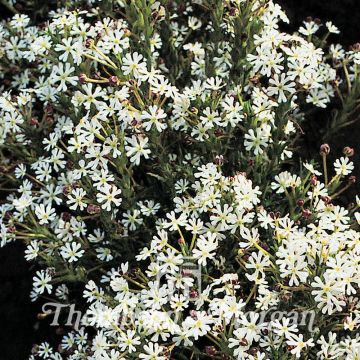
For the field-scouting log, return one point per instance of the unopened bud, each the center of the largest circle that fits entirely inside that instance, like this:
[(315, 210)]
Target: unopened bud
[(194, 294), (233, 11), (35, 349), (93, 209), (194, 110), (34, 121), (82, 78), (243, 342), (66, 216), (134, 123), (348, 151), (253, 350), (306, 213), (352, 179), (324, 149), (187, 140), (210, 350), (301, 202), (113, 80), (88, 43), (313, 180), (219, 160)]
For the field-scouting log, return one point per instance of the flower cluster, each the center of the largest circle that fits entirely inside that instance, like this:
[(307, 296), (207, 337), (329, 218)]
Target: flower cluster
[(149, 139)]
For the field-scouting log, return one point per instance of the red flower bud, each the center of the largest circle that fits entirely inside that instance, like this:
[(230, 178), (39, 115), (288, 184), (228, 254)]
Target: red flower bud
[(348, 151), (324, 149), (301, 202), (34, 121), (82, 78)]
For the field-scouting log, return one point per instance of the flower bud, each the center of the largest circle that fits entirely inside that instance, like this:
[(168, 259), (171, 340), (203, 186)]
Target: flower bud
[(88, 43), (352, 179), (219, 160), (219, 132), (51, 271), (348, 151), (233, 11), (194, 110), (313, 180), (134, 123), (243, 342), (253, 350), (82, 78), (324, 149), (306, 213), (113, 80), (34, 121), (193, 314), (49, 109), (301, 202), (181, 241), (35, 349), (93, 209), (326, 199), (66, 216), (210, 350)]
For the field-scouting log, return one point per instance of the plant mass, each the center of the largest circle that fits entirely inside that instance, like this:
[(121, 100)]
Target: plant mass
[(150, 162)]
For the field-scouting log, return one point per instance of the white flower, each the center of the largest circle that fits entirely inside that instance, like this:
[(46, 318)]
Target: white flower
[(42, 282), (71, 251), (205, 248), (133, 64), (343, 166), (152, 351), (45, 213), (137, 147), (154, 116), (256, 141), (107, 196)]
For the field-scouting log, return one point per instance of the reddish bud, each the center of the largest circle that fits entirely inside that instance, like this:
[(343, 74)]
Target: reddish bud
[(88, 43), (193, 314), (306, 213), (93, 209), (113, 80), (243, 342), (301, 202), (326, 199), (313, 180), (34, 121), (219, 160), (82, 78), (233, 11), (324, 149), (348, 151), (66, 216), (194, 294), (210, 350)]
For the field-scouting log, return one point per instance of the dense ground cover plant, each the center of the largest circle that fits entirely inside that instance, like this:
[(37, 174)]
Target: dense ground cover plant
[(138, 135)]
